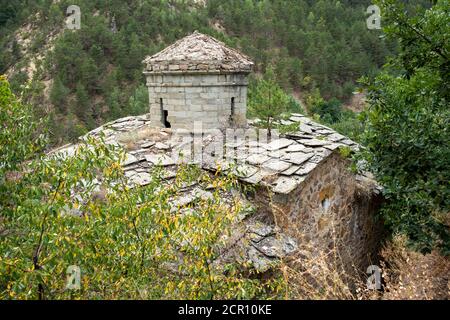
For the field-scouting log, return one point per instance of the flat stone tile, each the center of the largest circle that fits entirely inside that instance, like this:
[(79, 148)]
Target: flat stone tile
[(348, 142), (160, 159), (290, 171), (129, 159), (257, 159), (333, 146), (284, 185), (286, 122), (317, 158), (296, 119), (299, 135), (161, 146), (279, 144), (335, 137), (147, 144), (258, 176), (141, 179), (295, 148), (298, 157), (244, 171), (305, 128), (313, 142), (277, 154), (306, 168), (276, 165)]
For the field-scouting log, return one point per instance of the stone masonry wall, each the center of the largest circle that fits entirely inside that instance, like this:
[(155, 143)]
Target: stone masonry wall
[(330, 209), (189, 97)]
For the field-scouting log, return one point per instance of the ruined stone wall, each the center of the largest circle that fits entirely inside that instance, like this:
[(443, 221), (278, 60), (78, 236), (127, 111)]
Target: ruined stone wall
[(205, 97), (330, 209)]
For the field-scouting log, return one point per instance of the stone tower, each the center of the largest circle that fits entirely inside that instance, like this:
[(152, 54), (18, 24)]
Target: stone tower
[(198, 78)]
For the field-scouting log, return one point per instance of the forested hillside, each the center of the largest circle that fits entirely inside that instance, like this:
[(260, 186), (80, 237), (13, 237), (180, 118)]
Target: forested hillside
[(82, 78), (166, 235)]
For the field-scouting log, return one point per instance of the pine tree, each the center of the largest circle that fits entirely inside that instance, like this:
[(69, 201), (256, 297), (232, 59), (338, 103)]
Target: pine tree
[(58, 95), (268, 101), (82, 107)]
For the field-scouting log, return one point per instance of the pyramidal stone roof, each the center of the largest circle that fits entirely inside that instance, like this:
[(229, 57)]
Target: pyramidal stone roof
[(198, 53)]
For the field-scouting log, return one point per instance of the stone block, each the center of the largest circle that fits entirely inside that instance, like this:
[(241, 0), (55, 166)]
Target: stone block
[(209, 95), (210, 115), (159, 89), (192, 79), (208, 107), (175, 90), (209, 79), (181, 108), (176, 102), (194, 107), (192, 95), (174, 67), (214, 102), (196, 89), (222, 78)]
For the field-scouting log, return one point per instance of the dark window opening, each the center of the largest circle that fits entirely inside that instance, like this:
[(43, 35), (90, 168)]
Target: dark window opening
[(232, 109), (166, 123), (164, 114)]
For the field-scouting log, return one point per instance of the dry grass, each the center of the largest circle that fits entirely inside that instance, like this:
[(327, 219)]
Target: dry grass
[(411, 275), (318, 275), (313, 275)]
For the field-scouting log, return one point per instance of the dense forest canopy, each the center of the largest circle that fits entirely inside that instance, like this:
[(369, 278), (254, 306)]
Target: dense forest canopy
[(407, 134), (94, 74)]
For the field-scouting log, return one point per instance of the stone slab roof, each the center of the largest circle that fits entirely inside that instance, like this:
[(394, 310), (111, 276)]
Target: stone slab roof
[(282, 164), (198, 53)]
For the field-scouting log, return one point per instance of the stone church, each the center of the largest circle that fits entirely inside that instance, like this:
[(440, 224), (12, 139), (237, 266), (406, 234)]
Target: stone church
[(304, 190)]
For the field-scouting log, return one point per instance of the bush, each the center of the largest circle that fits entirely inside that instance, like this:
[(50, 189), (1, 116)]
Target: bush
[(408, 122), (329, 111), (57, 211)]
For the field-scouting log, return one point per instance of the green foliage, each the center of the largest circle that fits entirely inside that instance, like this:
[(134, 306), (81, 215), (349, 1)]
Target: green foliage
[(138, 102), (350, 124), (16, 123), (82, 107), (330, 111), (293, 106), (293, 127), (345, 152), (311, 44), (58, 210), (59, 95), (408, 125), (267, 101)]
